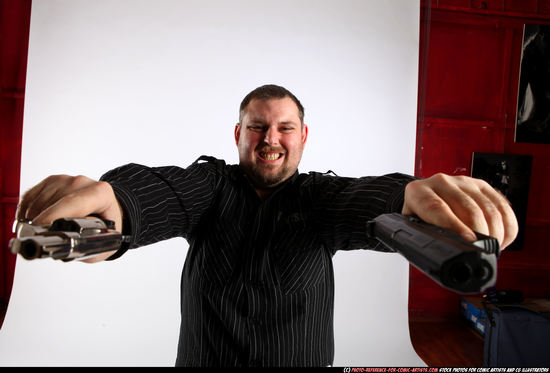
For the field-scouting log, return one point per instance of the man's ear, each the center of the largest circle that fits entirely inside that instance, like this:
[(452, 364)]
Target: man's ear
[(305, 131), (237, 133)]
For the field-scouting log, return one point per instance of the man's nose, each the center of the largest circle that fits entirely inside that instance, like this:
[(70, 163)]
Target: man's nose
[(272, 136)]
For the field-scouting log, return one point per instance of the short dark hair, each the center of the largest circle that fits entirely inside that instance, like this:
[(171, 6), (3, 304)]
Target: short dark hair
[(268, 92)]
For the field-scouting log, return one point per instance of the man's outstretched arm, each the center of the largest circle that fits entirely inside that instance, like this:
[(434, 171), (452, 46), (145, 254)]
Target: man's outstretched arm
[(153, 204)]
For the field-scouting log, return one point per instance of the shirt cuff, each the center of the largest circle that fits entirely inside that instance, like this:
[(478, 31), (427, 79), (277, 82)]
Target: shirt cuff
[(130, 218), (396, 199)]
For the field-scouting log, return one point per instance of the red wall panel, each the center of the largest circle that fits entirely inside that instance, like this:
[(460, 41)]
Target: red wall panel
[(14, 38), (448, 145), (10, 153), (464, 79), (468, 83)]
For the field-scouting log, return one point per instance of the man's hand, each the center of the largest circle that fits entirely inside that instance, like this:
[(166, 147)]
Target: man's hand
[(63, 196), (462, 204)]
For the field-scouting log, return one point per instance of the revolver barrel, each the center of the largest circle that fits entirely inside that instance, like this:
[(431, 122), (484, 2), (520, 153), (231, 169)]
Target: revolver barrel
[(66, 239), (38, 247)]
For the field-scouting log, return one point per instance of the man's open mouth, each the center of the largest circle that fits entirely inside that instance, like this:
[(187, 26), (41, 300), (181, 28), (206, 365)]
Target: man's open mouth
[(270, 156)]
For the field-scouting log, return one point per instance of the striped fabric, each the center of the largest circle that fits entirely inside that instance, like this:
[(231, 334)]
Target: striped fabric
[(257, 287)]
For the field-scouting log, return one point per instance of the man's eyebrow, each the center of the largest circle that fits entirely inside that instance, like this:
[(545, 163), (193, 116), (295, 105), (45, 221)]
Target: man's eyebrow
[(288, 122), (264, 122), (258, 121)]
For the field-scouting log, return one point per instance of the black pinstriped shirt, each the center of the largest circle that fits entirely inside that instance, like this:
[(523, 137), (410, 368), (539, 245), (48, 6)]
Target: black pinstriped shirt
[(257, 287)]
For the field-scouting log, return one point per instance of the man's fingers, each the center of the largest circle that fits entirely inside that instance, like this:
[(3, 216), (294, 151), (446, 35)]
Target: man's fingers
[(422, 201), (508, 217), (464, 205), (472, 206), (47, 193), (456, 202), (82, 202), (27, 199), (490, 212), (96, 198)]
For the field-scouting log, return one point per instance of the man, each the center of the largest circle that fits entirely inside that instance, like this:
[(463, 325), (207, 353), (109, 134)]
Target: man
[(257, 286)]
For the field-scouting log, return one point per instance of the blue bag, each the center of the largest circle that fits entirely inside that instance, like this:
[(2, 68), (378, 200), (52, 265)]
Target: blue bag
[(516, 336)]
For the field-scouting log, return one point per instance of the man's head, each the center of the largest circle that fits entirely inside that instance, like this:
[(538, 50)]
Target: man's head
[(270, 92), (270, 135)]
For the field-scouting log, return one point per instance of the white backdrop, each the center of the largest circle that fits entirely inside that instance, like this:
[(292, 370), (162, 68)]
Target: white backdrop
[(159, 83)]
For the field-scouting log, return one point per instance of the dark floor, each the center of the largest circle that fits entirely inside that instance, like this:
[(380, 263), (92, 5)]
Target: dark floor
[(447, 343)]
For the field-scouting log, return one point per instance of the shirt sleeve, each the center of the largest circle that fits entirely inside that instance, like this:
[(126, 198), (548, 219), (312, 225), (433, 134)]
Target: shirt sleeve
[(162, 202), (343, 206)]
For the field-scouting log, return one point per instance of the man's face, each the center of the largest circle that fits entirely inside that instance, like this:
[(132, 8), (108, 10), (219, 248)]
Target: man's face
[(270, 140)]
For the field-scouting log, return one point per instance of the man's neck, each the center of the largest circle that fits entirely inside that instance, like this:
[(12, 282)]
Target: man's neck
[(264, 193)]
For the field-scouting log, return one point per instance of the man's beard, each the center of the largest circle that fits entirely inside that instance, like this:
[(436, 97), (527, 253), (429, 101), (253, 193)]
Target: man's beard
[(263, 180)]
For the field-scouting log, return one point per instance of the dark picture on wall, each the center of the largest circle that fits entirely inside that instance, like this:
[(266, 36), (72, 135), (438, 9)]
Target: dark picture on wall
[(510, 174), (533, 109)]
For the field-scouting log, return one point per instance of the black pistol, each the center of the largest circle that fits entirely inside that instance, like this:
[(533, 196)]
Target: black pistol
[(66, 239), (462, 266)]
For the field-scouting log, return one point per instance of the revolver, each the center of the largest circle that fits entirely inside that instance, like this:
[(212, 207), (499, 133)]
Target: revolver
[(462, 266), (66, 238)]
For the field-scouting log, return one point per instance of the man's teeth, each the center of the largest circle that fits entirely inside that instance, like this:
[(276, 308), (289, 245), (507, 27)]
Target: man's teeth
[(270, 156)]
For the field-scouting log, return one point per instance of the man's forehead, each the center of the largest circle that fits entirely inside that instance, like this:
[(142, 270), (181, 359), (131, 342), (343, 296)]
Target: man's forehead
[(285, 109)]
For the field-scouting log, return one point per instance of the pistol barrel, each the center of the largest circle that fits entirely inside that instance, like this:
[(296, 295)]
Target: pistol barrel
[(459, 265)]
